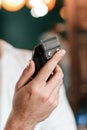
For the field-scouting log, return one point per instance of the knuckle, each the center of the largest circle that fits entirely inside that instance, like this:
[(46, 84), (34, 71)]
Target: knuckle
[(44, 97), (34, 90), (33, 87)]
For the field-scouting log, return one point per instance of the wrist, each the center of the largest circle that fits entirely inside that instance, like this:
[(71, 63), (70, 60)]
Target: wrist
[(15, 123)]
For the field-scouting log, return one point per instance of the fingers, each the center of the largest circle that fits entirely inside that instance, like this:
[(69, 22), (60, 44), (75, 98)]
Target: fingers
[(51, 98), (55, 81), (26, 75), (48, 68), (54, 97)]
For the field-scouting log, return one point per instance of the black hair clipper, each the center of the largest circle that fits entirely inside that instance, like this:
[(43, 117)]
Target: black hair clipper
[(44, 51)]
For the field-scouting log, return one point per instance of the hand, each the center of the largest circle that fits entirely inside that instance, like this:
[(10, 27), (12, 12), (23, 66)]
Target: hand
[(34, 100)]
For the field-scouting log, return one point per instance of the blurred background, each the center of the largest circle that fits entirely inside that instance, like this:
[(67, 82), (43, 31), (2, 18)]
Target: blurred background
[(22, 30), (24, 24)]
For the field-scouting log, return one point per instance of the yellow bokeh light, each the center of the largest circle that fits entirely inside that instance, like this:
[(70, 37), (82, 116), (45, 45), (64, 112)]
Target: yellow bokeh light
[(50, 4), (63, 12), (13, 5), (0, 3), (28, 4)]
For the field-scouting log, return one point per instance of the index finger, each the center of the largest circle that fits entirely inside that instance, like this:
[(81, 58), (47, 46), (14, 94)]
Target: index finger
[(48, 68)]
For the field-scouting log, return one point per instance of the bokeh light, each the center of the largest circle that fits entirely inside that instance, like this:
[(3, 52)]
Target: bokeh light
[(13, 5)]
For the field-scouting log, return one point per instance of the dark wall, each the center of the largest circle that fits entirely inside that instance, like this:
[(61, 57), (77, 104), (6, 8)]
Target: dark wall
[(22, 30)]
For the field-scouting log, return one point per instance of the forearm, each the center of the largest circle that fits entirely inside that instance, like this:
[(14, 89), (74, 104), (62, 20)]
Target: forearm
[(14, 123)]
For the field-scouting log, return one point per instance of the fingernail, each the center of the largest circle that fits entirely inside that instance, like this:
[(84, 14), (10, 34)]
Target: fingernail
[(62, 52)]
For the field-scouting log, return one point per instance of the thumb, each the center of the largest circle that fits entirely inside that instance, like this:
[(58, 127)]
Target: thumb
[(26, 75)]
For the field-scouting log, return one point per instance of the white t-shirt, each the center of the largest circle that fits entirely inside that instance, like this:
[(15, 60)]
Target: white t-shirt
[(12, 63)]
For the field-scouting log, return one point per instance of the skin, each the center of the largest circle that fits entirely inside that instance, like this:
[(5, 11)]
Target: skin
[(34, 100)]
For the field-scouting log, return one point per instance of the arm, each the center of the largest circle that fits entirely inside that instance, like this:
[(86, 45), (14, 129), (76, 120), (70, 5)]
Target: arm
[(34, 100), (14, 123)]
